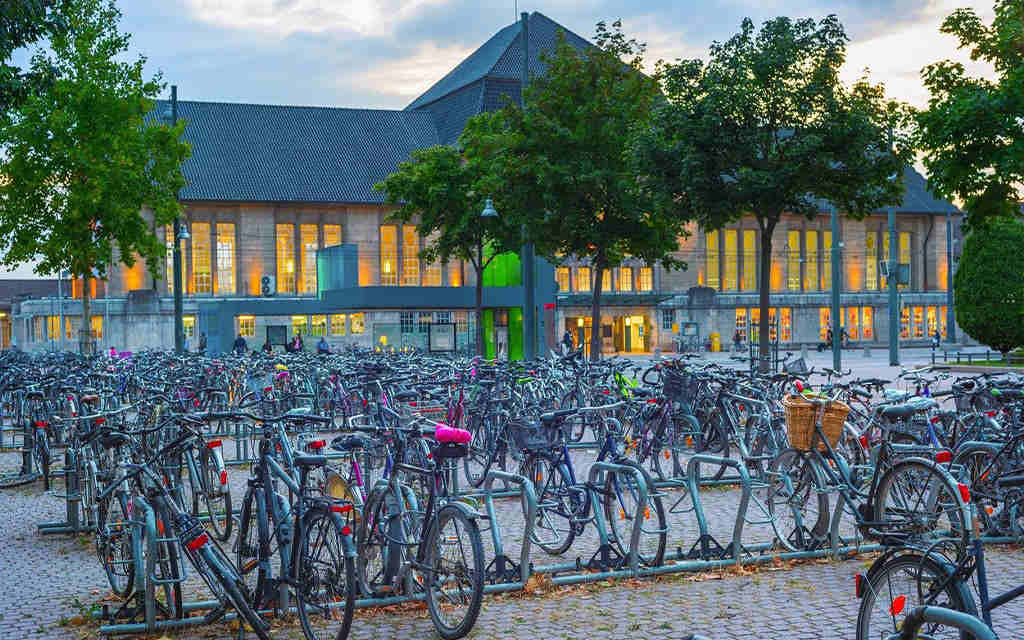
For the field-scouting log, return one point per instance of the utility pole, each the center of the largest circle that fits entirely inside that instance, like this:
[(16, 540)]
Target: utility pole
[(837, 284), (529, 297), (179, 322), (891, 280), (950, 315)]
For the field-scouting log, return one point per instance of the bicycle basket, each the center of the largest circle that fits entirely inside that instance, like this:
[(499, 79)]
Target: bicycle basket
[(531, 436), (796, 367), (801, 415)]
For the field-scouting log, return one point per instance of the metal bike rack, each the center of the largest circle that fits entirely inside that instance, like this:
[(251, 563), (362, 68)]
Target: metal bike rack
[(529, 497)]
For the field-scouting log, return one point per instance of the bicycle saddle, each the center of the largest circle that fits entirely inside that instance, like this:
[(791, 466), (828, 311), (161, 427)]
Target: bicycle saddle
[(310, 461), (558, 415), (350, 443), (899, 411)]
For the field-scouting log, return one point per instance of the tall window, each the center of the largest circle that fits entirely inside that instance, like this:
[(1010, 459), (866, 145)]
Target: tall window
[(169, 248), (225, 258), (645, 279), (319, 325), (53, 327), (300, 325), (711, 259), (309, 243), (785, 324), (338, 323), (432, 275), (285, 258), (730, 279), (905, 322), (668, 318), (72, 325), (246, 326), (741, 321), (406, 321), (606, 280), (793, 262), (410, 256), (853, 322), (356, 323), (625, 279), (188, 325), (583, 279), (455, 274), (905, 251), (867, 325), (870, 261), (388, 255), (811, 266), (562, 278), (749, 260), (824, 322), (202, 278), (826, 272), (332, 235), (96, 326)]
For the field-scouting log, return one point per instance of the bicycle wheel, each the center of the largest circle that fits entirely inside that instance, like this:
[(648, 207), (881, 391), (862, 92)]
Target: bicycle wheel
[(214, 497), (326, 578), (902, 583), (214, 566), (380, 554), (797, 505), (114, 544), (247, 545), (574, 400), (455, 573), (553, 529), (714, 440), (482, 449), (621, 502), (915, 499), (981, 471)]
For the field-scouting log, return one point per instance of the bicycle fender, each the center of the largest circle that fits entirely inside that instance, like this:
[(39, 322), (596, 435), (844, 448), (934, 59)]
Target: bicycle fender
[(469, 512), (348, 545)]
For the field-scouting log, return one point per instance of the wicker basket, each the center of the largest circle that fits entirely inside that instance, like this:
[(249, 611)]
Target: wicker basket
[(801, 415)]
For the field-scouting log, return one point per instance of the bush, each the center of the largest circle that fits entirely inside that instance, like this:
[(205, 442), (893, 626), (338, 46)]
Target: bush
[(989, 285)]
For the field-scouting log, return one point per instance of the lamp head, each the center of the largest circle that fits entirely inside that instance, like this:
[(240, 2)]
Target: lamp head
[(489, 210)]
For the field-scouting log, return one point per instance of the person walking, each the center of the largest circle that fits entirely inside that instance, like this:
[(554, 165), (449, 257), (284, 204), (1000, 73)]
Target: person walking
[(567, 341), (240, 346), (322, 348), (202, 343)]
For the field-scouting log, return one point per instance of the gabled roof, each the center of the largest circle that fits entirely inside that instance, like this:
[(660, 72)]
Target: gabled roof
[(11, 288), (917, 199), (495, 69), (266, 153)]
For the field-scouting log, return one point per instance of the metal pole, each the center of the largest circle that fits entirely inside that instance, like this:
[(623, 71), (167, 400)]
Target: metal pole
[(950, 315), (837, 285), (60, 306), (894, 312), (179, 323), (529, 298)]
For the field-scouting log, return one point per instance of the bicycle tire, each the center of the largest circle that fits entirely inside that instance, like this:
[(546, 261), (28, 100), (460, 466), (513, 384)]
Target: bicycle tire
[(914, 498), (911, 576), (554, 504), (113, 542), (336, 567), (379, 556), (215, 497), (617, 513), (215, 566), (796, 491), (247, 545), (435, 588)]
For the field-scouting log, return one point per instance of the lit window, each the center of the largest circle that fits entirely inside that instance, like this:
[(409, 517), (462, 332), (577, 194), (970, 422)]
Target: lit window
[(625, 279), (562, 278), (319, 325), (72, 325), (247, 326), (741, 321), (824, 323), (711, 259), (410, 256), (905, 252), (786, 324), (583, 279), (332, 235), (338, 324), (668, 318), (905, 322), (455, 274), (645, 279), (871, 261), (388, 255), (424, 320), (942, 320), (918, 322), (188, 325), (754, 320), (793, 261), (749, 260), (225, 258), (606, 280), (356, 325), (202, 278), (300, 325), (867, 324), (308, 248), (853, 323), (811, 266), (37, 328), (286, 258), (826, 248), (729, 280), (169, 250), (432, 275), (53, 327)]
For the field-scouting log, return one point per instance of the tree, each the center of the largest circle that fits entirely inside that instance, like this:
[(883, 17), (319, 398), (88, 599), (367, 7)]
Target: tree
[(82, 158), (989, 284), (971, 133), (439, 189), (22, 23), (565, 169), (766, 127)]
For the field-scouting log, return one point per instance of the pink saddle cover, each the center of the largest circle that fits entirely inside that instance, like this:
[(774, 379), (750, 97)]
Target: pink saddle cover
[(445, 434)]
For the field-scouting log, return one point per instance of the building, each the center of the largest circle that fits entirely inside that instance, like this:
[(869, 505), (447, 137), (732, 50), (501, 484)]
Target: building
[(286, 234), (48, 328)]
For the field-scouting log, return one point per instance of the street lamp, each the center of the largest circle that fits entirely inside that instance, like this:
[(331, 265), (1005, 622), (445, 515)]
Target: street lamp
[(488, 213), (489, 210)]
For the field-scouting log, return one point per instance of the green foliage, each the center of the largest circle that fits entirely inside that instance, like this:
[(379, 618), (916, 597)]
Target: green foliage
[(971, 132), (765, 127), (82, 159), (989, 284), (22, 23)]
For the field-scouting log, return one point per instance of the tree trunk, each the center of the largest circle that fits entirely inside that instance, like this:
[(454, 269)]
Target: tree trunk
[(764, 291), (85, 332), (595, 315)]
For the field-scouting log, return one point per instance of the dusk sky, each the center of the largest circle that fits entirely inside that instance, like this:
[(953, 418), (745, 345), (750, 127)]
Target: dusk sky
[(383, 53)]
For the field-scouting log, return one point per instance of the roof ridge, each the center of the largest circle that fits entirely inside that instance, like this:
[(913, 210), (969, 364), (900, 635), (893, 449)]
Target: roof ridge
[(282, 106)]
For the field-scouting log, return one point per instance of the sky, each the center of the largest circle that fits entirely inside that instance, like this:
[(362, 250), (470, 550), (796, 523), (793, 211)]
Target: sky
[(384, 53)]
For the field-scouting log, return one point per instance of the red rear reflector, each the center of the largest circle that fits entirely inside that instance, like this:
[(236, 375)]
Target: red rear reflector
[(223, 477), (897, 605), (100, 421), (213, 443), (965, 493), (318, 444), (40, 423), (942, 457), (606, 392), (652, 401), (936, 419), (267, 389), (858, 584), (990, 414), (412, 403), (799, 385), (198, 542), (160, 527), (864, 442), (346, 530), (341, 508)]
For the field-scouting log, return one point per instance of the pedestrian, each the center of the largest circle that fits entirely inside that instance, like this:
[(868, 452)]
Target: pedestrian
[(202, 343), (567, 341), (322, 347), (267, 347), (828, 338), (240, 346), (737, 339), (296, 345), (935, 339)]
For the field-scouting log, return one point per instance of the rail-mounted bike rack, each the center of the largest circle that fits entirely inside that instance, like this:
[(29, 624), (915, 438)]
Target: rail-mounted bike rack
[(77, 516), (706, 547), (502, 570)]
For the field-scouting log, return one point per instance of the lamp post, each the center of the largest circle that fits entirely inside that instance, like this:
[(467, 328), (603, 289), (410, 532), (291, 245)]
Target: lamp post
[(179, 234), (837, 342), (529, 274), (950, 315), (488, 213)]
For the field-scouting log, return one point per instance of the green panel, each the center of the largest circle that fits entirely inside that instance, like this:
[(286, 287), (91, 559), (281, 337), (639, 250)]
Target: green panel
[(504, 270), (489, 333), (515, 333)]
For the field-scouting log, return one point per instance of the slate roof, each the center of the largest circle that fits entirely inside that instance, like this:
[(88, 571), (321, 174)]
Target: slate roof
[(11, 288), (916, 198), (266, 153)]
